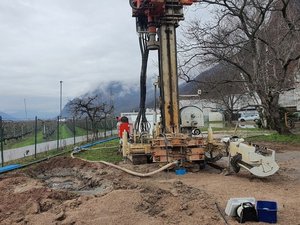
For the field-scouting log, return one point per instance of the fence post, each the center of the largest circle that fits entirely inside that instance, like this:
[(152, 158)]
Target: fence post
[(105, 126), (87, 129), (74, 127), (35, 136), (111, 126), (1, 140), (57, 132)]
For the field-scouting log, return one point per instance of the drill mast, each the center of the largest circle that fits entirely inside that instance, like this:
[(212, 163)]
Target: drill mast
[(158, 19)]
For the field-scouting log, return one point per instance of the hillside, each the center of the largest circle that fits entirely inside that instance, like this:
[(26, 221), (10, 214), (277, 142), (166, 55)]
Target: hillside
[(6, 116), (125, 97)]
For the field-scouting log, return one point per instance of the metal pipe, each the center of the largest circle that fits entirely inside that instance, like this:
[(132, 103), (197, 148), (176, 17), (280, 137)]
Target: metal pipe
[(60, 105)]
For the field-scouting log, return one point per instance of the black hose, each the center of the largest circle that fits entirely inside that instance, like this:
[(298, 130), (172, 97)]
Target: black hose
[(141, 123), (132, 5), (135, 7)]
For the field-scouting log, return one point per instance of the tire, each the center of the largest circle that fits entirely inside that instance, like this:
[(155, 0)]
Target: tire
[(291, 123), (196, 132), (242, 120), (202, 165), (234, 163)]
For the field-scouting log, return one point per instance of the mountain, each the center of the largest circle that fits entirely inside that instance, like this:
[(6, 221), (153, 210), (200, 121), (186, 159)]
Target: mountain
[(213, 82), (124, 96), (6, 116)]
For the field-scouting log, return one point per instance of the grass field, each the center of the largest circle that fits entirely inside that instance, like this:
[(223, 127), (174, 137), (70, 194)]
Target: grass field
[(286, 139), (104, 152), (30, 140)]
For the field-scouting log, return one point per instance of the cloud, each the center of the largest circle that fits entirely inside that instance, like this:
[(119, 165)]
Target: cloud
[(82, 43)]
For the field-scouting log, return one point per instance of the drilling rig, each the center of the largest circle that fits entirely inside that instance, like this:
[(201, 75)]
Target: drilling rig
[(156, 23)]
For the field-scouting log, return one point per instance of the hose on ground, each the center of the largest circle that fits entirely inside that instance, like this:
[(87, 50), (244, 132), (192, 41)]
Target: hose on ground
[(130, 171)]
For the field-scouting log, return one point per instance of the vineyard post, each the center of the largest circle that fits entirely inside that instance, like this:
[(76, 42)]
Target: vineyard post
[(105, 126), (87, 129), (74, 128), (35, 136), (58, 132), (1, 140), (111, 126)]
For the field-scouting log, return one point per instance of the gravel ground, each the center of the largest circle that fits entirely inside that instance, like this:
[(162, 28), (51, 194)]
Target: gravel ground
[(69, 191)]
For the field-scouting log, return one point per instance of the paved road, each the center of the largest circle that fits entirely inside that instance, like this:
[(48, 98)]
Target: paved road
[(18, 153)]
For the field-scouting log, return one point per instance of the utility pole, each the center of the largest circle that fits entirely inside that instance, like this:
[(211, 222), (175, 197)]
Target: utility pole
[(60, 115), (58, 133), (25, 106)]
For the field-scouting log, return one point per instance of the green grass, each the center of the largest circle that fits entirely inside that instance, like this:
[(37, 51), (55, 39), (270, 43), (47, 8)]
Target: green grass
[(79, 131), (27, 141), (106, 152), (65, 132), (286, 139)]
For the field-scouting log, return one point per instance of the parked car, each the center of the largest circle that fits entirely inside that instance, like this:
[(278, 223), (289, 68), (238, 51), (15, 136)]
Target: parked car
[(250, 117), (292, 119)]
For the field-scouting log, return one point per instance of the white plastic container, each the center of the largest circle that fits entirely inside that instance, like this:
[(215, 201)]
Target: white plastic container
[(233, 204)]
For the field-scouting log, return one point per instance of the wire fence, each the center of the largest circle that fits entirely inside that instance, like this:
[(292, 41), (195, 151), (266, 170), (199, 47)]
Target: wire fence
[(29, 137)]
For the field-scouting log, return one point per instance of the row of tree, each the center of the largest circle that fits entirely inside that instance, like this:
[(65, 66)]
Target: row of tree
[(94, 108), (257, 45)]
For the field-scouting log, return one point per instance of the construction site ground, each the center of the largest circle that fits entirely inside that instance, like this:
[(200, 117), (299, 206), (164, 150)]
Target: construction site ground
[(70, 191)]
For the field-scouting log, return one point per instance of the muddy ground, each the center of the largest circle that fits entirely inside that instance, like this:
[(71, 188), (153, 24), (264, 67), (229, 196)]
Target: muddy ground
[(69, 191)]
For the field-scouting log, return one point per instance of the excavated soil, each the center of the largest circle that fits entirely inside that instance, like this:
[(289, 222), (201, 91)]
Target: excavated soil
[(67, 191)]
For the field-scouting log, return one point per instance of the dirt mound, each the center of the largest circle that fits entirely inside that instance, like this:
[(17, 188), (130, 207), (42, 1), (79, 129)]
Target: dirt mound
[(67, 191), (62, 162), (23, 196), (56, 191), (180, 204)]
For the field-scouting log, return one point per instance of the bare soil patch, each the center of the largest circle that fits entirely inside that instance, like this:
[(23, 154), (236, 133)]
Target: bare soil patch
[(70, 191)]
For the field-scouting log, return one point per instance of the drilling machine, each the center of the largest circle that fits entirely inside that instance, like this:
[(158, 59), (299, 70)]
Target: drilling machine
[(156, 23)]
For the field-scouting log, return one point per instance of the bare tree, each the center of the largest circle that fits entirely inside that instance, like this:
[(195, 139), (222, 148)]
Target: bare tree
[(92, 107), (260, 38)]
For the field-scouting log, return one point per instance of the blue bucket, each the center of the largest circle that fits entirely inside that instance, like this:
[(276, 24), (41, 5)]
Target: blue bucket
[(266, 211), (180, 171)]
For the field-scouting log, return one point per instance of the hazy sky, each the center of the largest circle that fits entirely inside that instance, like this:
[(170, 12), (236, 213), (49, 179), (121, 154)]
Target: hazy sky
[(82, 43)]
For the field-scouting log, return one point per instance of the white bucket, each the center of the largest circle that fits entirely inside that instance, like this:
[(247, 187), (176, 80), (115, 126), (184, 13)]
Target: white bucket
[(234, 203)]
